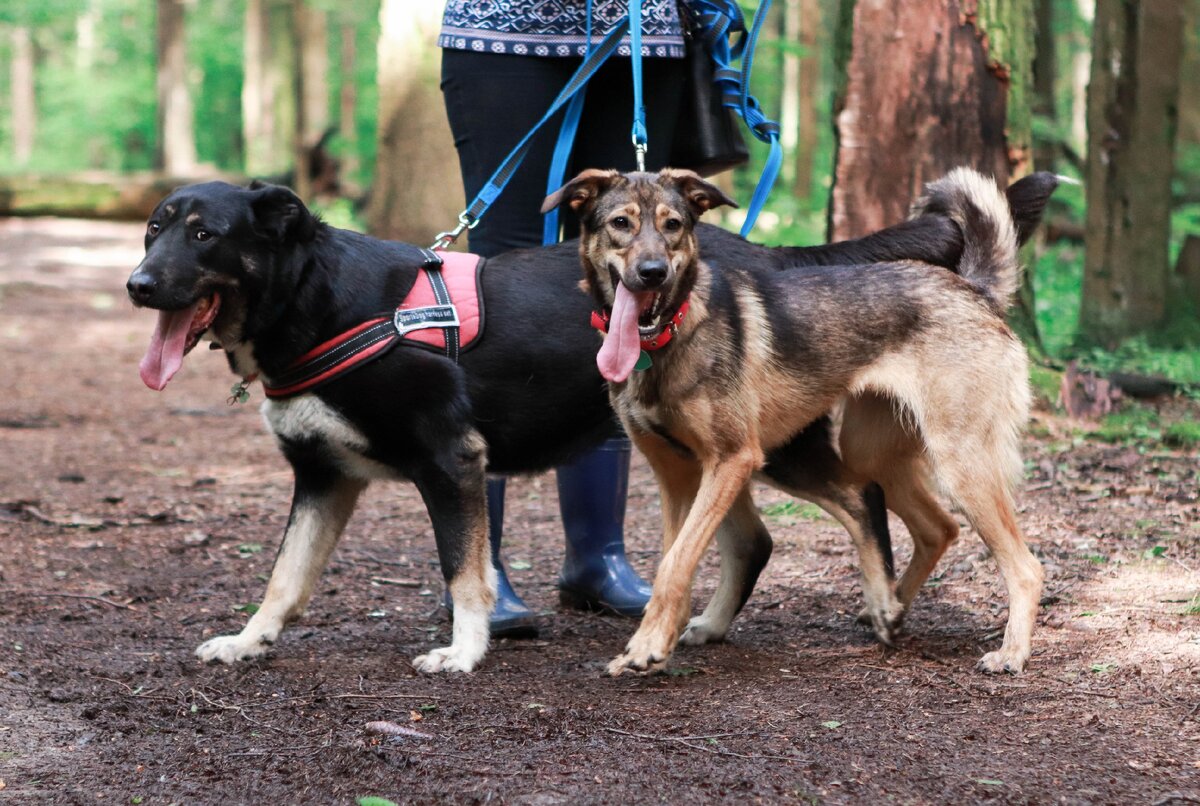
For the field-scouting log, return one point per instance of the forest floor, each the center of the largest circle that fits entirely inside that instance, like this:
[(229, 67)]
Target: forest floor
[(134, 525)]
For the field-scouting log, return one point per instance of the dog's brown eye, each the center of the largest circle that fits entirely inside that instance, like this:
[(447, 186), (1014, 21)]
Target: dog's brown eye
[(673, 225), (203, 235), (152, 228), (620, 222)]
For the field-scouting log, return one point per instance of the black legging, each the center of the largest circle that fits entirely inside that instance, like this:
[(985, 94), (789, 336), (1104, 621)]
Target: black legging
[(492, 100)]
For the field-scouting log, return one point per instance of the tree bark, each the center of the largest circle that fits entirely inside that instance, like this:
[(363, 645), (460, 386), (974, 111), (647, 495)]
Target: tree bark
[(176, 120), (348, 99), (268, 90), (1132, 121), (943, 101), (311, 85), (24, 98), (417, 190), (801, 76), (954, 93), (1045, 75)]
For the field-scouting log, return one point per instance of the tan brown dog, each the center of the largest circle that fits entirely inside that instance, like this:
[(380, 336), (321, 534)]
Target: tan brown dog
[(932, 383)]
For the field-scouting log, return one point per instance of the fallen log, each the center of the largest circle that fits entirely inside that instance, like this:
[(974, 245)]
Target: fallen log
[(124, 197)]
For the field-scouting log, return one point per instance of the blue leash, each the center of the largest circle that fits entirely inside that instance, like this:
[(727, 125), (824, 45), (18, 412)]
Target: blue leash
[(469, 217), (719, 21), (570, 125)]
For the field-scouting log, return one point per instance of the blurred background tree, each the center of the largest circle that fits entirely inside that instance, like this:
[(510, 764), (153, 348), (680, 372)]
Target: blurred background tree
[(874, 97)]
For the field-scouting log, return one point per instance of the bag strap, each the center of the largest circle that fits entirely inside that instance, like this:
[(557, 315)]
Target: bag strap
[(720, 21)]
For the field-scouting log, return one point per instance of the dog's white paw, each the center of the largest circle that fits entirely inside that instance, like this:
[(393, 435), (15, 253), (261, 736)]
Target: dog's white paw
[(233, 648), (1003, 661), (447, 659), (884, 621), (648, 651), (701, 631)]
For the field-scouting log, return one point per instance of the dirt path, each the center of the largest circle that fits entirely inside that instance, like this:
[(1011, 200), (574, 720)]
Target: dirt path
[(133, 524)]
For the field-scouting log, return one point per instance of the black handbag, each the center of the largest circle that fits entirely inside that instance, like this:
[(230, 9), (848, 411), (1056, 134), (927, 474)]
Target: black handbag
[(708, 138)]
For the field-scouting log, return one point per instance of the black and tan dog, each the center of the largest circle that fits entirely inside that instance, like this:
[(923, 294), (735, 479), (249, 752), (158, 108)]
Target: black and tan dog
[(251, 270), (932, 385)]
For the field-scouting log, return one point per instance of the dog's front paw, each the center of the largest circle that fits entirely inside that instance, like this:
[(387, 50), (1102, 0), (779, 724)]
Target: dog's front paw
[(884, 621), (643, 655), (446, 659), (1003, 661), (702, 631), (233, 648)]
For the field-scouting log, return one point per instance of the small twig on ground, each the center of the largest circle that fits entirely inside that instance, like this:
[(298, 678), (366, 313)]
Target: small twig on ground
[(100, 599)]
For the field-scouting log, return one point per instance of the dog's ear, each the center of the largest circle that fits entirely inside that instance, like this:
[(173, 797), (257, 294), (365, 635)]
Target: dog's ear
[(700, 195), (581, 190), (280, 215)]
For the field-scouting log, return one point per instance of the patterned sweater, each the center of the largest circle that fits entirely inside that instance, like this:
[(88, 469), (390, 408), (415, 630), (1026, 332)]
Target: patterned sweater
[(555, 27)]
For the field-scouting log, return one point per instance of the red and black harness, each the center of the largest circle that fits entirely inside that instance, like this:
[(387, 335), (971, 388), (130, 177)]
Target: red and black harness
[(442, 312)]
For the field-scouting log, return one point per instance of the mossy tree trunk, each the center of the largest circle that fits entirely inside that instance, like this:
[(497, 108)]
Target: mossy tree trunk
[(955, 91), (1137, 49)]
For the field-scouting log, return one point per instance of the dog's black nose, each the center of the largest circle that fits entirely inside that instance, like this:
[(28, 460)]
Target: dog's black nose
[(652, 272), (140, 287)]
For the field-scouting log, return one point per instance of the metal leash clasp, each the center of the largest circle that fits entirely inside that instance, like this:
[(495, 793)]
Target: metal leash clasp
[(445, 239), (640, 152)]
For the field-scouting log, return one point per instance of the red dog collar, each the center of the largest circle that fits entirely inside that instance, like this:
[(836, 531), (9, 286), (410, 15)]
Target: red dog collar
[(600, 322)]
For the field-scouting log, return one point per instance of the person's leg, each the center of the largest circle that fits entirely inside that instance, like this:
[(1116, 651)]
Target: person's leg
[(592, 489), (491, 101)]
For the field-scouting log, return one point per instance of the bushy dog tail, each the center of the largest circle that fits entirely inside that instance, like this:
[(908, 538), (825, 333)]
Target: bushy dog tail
[(981, 209)]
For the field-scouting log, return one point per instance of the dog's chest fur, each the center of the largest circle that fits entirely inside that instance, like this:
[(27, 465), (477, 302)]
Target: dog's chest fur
[(309, 420)]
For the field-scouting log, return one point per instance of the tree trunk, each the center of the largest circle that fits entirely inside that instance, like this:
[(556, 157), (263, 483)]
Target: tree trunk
[(268, 90), (943, 101), (417, 191), (176, 135), (1137, 49), (1081, 68), (311, 104), (348, 99), (1189, 89), (24, 100), (1045, 75), (801, 76), (954, 93)]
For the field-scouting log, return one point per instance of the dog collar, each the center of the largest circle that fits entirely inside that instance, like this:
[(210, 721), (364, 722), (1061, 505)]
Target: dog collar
[(600, 322)]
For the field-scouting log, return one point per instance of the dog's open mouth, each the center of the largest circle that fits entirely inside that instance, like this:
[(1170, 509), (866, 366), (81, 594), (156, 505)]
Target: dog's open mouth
[(633, 314), (176, 333)]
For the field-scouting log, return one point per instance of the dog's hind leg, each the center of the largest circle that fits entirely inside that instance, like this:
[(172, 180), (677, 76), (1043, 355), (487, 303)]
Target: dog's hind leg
[(453, 486), (809, 467), (932, 528), (745, 546), (321, 505), (988, 506)]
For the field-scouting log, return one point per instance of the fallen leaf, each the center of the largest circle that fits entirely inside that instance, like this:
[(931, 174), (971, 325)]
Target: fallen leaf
[(832, 724)]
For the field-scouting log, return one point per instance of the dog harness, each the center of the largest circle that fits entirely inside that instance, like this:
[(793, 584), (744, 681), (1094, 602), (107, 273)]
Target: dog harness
[(600, 322), (443, 312)]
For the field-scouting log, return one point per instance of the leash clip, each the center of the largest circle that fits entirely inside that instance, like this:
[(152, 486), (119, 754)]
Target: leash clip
[(445, 239), (639, 148)]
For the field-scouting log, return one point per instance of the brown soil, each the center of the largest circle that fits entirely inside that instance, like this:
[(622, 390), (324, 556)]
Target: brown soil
[(134, 524)]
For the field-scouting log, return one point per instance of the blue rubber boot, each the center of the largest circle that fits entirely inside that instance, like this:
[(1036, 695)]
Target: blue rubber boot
[(512, 618), (596, 574)]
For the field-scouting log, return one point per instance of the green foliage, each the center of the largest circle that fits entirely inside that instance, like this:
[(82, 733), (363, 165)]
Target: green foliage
[(96, 106), (1136, 424)]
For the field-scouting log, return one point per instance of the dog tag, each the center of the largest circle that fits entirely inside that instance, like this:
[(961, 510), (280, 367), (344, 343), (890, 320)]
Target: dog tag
[(643, 363), (239, 393)]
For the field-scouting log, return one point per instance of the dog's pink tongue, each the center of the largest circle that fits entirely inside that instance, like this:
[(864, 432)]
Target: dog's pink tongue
[(622, 345), (164, 356)]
